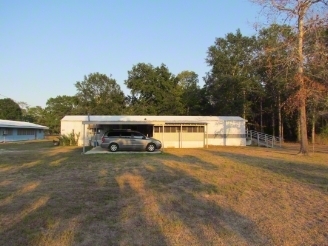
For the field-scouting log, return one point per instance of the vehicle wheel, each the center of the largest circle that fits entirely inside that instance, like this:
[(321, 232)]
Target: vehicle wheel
[(113, 147), (151, 147)]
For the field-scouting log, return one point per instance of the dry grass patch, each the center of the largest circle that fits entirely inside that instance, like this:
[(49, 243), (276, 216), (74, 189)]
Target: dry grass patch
[(216, 196)]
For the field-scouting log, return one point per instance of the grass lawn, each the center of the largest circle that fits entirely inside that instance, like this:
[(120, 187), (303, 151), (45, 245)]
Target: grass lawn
[(216, 196)]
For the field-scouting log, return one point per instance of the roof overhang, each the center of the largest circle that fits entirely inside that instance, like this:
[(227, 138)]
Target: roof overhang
[(25, 127), (123, 122), (186, 123)]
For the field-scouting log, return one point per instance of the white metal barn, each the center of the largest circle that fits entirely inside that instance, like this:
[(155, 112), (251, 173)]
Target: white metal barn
[(172, 131)]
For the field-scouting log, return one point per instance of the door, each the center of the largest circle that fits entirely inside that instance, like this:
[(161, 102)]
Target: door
[(125, 141), (138, 141)]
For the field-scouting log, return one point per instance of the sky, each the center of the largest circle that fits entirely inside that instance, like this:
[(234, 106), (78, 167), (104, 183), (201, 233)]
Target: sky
[(47, 46)]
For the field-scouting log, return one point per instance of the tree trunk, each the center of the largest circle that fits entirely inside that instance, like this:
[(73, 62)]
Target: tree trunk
[(261, 114), (313, 128), (244, 106), (282, 133), (279, 117), (273, 122), (304, 139), (302, 89), (299, 128)]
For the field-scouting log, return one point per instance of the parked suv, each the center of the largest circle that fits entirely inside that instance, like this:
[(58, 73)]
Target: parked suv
[(128, 140)]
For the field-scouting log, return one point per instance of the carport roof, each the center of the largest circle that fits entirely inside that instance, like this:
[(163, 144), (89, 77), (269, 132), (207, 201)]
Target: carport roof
[(148, 118), (142, 122), (109, 122)]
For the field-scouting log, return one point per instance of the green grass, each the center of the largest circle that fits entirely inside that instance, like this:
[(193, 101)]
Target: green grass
[(217, 196)]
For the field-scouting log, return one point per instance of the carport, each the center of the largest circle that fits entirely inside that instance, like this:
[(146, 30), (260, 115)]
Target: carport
[(145, 127)]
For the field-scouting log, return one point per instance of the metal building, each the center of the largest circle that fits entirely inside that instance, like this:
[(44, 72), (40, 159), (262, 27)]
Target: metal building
[(172, 131)]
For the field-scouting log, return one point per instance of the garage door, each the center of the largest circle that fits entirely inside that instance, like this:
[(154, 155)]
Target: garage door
[(180, 136)]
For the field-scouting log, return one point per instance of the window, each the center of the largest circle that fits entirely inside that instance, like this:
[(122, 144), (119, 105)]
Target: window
[(25, 132), (158, 129), (138, 135), (167, 129), (198, 129), (125, 134), (113, 134), (184, 129), (172, 129), (7, 132), (178, 128)]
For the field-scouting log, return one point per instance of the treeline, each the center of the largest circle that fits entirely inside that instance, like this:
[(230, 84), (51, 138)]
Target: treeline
[(254, 77)]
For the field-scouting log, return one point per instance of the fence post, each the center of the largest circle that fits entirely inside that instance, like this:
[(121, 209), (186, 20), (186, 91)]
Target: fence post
[(273, 138), (258, 139)]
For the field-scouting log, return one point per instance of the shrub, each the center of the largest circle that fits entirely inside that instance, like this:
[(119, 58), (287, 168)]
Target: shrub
[(70, 139), (322, 137)]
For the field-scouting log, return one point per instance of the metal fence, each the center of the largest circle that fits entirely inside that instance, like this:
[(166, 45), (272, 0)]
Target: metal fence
[(262, 139)]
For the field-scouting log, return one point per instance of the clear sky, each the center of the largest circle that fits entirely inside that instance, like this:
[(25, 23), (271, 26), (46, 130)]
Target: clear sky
[(47, 46)]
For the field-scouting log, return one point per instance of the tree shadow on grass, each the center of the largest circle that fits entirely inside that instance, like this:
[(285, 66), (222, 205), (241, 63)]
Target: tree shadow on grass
[(184, 198), (191, 160), (308, 173), (46, 203), (117, 200)]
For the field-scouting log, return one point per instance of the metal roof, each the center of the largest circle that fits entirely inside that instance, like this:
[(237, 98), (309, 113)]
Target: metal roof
[(20, 124), (149, 118)]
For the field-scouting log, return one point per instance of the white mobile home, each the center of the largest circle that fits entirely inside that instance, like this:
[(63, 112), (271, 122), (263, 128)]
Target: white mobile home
[(172, 131)]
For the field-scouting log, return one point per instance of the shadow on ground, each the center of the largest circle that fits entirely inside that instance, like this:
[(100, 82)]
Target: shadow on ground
[(297, 169), (56, 196)]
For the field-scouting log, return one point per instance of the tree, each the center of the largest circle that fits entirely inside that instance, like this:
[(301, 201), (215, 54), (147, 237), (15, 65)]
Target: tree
[(154, 90), (316, 46), (10, 110), (57, 108), (99, 94), (24, 107), (231, 85), (36, 115), (190, 93), (306, 14), (275, 70)]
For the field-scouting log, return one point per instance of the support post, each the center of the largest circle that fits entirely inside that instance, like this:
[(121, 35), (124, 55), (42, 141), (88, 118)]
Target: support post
[(180, 136), (206, 136), (83, 138), (163, 136)]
